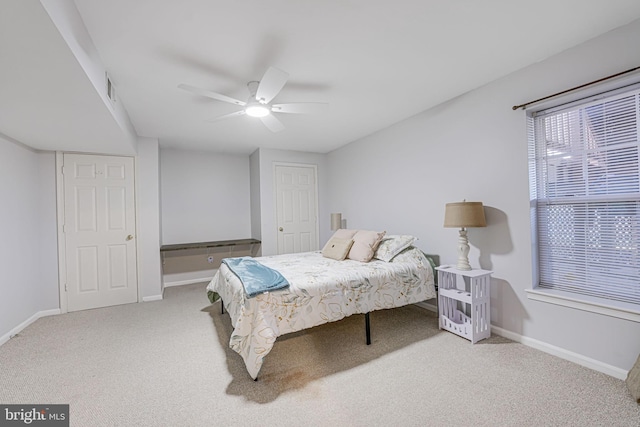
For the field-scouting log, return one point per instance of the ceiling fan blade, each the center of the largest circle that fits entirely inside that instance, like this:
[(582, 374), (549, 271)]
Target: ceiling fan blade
[(272, 123), (272, 82), (228, 116), (211, 94), (300, 107)]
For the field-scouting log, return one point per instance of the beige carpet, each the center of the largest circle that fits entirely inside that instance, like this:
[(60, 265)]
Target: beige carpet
[(167, 363)]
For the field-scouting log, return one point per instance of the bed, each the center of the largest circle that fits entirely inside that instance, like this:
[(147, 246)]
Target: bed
[(321, 290)]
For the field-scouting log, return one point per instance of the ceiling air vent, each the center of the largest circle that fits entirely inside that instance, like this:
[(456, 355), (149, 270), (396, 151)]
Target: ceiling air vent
[(111, 90)]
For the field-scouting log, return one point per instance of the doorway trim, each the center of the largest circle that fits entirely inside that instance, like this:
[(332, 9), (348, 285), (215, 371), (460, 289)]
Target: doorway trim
[(60, 214), (62, 253)]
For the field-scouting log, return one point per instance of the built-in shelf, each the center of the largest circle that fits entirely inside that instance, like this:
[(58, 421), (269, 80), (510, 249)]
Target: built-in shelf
[(203, 245)]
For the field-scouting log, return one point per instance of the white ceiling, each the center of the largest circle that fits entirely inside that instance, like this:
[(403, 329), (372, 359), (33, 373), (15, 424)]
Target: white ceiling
[(375, 62)]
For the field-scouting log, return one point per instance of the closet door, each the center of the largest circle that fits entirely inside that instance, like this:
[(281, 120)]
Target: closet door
[(297, 208), (99, 231)]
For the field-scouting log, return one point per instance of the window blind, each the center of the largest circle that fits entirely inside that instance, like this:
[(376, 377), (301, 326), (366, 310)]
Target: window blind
[(585, 181)]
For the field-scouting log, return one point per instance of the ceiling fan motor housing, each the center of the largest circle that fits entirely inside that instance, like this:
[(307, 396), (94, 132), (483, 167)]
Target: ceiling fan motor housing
[(253, 89)]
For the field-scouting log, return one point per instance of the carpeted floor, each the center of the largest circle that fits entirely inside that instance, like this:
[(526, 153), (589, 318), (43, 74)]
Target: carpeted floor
[(167, 363)]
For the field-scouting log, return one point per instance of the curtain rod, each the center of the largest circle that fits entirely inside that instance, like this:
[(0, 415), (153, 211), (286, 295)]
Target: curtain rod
[(515, 107)]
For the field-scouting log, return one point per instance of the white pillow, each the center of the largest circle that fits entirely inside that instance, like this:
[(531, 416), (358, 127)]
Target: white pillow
[(365, 244), (392, 245)]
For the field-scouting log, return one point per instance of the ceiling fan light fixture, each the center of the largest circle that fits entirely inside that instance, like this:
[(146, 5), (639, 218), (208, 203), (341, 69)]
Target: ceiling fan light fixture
[(257, 110)]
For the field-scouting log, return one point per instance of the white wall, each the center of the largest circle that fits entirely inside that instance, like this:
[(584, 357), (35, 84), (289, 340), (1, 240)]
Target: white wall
[(28, 269), (148, 219), (254, 164), (69, 23), (267, 158), (474, 147), (48, 288), (208, 196), (204, 196)]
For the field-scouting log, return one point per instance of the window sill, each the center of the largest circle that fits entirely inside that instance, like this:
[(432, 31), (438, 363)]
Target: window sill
[(617, 309)]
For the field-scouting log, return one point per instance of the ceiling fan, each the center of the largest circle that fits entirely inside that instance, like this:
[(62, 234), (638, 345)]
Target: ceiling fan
[(259, 102)]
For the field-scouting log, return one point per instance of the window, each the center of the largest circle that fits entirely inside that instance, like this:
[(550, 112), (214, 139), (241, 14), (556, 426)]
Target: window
[(585, 187)]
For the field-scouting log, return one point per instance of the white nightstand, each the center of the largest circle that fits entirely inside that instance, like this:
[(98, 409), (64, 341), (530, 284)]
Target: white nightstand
[(464, 302)]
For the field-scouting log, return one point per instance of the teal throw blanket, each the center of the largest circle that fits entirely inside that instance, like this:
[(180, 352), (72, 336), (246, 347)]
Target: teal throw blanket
[(255, 277)]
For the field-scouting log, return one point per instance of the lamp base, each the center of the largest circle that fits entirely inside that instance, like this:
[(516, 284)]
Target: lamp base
[(463, 251), (463, 267)]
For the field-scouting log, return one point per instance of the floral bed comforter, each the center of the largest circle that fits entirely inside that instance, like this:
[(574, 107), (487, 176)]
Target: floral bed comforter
[(321, 290)]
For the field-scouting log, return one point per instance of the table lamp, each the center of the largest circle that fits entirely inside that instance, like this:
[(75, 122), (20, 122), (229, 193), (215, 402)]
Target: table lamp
[(336, 221), (464, 214)]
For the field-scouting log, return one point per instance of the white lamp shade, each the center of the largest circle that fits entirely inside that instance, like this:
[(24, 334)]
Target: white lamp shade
[(336, 221)]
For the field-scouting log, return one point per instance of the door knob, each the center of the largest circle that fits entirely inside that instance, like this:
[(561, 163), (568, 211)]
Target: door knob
[(129, 237), (280, 229)]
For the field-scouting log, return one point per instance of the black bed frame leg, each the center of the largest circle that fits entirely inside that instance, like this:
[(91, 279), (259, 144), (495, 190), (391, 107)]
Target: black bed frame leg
[(367, 327), (221, 306)]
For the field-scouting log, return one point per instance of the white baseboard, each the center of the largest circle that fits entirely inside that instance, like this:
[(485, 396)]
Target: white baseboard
[(551, 349), (187, 282), (563, 353), (152, 298), (6, 337), (188, 277)]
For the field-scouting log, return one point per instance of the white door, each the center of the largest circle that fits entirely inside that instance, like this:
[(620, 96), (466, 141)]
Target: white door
[(296, 209), (99, 230)]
